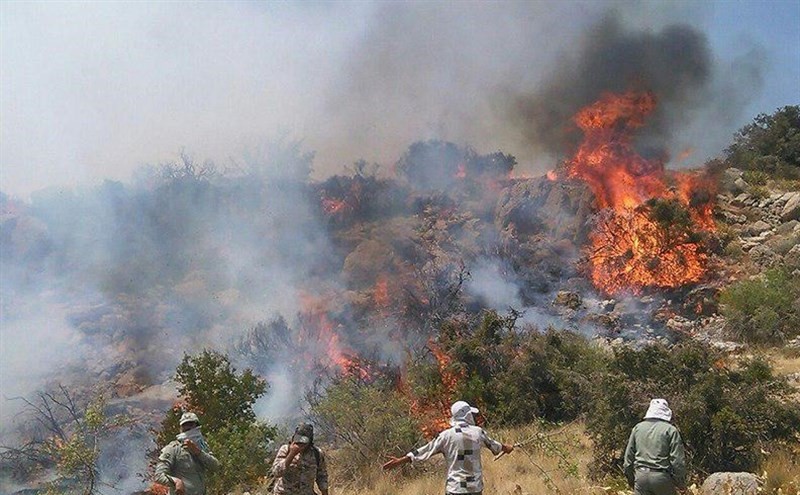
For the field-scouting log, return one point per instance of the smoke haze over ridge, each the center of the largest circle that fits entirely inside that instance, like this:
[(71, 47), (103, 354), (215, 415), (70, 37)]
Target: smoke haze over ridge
[(90, 92), (93, 91)]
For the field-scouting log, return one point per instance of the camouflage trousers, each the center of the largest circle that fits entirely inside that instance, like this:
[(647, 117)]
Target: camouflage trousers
[(653, 483)]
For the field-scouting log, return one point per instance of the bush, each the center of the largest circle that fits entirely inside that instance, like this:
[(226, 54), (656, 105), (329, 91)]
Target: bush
[(66, 437), (755, 177), (725, 412), (763, 311), (223, 400), (770, 144), (520, 376), (438, 165), (365, 419)]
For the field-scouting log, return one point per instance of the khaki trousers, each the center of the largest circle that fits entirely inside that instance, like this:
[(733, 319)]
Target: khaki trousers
[(653, 483)]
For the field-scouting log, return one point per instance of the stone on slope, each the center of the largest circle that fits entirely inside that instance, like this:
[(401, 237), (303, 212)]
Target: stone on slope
[(730, 484)]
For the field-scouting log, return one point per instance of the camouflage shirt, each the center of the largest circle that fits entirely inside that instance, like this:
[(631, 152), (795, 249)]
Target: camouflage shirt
[(176, 461), (299, 476), (461, 447)]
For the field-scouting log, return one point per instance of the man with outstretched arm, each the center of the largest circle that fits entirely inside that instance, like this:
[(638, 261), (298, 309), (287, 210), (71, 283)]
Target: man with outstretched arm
[(461, 447)]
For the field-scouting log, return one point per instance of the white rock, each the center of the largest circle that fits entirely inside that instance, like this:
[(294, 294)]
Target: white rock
[(730, 484), (791, 210)]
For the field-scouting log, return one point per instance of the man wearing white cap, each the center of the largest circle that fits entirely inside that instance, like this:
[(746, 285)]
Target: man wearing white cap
[(461, 447), (654, 458)]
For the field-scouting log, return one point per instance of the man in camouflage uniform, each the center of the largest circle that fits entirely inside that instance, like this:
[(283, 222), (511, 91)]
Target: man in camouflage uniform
[(654, 457), (299, 464), (461, 447), (183, 463)]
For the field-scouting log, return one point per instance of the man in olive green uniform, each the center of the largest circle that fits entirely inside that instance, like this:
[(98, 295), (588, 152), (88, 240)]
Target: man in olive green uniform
[(184, 462), (654, 458), (299, 464)]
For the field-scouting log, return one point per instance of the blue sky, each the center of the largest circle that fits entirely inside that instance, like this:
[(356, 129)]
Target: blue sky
[(90, 91), (775, 26)]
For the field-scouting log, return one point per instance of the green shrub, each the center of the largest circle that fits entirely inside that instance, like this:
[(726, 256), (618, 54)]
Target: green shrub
[(756, 177), (770, 144), (520, 376), (759, 192), (223, 400), (763, 311), (364, 420), (725, 412)]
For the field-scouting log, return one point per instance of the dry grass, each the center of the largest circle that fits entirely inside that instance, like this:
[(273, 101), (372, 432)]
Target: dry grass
[(781, 472), (519, 473), (786, 363), (514, 474)]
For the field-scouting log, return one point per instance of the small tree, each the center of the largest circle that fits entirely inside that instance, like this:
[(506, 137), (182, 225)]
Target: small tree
[(763, 311), (771, 144), (223, 399), (365, 419), (68, 436), (727, 413)]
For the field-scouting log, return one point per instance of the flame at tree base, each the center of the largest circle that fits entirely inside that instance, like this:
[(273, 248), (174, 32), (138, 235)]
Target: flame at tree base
[(645, 235), (632, 251)]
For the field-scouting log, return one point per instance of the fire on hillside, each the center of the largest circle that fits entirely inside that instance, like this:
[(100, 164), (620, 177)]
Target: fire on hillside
[(631, 248)]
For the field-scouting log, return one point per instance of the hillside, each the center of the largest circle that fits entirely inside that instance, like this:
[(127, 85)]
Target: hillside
[(373, 300)]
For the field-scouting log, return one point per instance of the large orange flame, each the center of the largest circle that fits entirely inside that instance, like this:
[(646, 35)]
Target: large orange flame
[(319, 337), (630, 250), (433, 414)]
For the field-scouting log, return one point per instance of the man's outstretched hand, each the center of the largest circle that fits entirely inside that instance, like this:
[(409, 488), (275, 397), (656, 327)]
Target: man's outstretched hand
[(395, 461)]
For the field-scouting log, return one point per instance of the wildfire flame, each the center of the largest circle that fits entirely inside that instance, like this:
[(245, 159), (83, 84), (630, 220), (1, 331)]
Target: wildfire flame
[(318, 331), (434, 414), (333, 206), (381, 294), (629, 249)]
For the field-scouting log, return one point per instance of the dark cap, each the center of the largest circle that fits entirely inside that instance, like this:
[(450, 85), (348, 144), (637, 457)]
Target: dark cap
[(305, 432)]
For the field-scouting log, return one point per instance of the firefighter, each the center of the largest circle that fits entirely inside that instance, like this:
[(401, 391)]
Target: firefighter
[(654, 459), (184, 462), (299, 464), (461, 447)]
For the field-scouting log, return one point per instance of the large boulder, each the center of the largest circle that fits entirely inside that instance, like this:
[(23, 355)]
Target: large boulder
[(558, 209), (730, 484), (791, 210), (729, 176), (740, 185), (757, 227)]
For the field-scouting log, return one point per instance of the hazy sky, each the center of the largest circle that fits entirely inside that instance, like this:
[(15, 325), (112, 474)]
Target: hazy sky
[(92, 90)]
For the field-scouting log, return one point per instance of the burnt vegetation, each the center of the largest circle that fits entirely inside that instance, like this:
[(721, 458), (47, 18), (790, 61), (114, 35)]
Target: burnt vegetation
[(390, 325)]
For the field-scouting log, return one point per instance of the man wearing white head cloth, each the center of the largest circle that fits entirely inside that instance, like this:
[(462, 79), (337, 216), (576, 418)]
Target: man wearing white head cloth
[(184, 462), (461, 447), (654, 458)]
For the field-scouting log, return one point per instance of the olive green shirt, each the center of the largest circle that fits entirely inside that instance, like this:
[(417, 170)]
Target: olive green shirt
[(656, 444), (176, 461)]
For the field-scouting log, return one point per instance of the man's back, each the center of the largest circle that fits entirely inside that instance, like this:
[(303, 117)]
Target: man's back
[(656, 445)]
